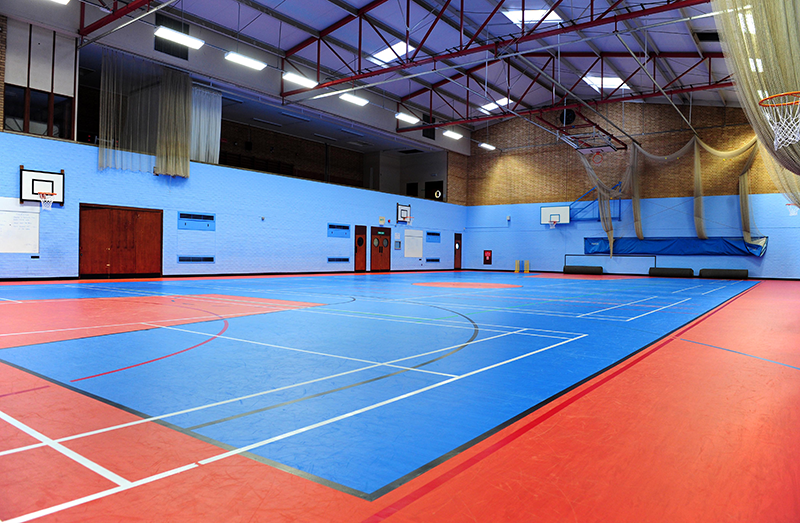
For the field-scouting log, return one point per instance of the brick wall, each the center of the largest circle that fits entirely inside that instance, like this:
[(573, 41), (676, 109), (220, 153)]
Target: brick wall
[(457, 176), (283, 154), (3, 30), (533, 167)]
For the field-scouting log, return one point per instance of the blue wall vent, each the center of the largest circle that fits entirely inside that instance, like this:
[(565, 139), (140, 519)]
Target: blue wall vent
[(195, 259), (196, 222)]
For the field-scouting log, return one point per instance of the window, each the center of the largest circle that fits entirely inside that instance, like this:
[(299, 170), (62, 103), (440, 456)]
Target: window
[(37, 112)]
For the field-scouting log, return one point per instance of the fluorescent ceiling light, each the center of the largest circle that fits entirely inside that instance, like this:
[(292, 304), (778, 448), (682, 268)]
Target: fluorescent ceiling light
[(756, 65), (389, 54), (748, 23), (491, 106), (453, 135), (488, 147), (245, 61), (532, 16), (608, 82), (179, 38), (299, 80), (62, 2), (407, 118), (347, 97)]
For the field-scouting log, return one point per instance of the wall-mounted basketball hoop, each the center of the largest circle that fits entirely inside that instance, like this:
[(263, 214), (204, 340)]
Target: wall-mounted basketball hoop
[(597, 158), (47, 199), (792, 209), (782, 111)]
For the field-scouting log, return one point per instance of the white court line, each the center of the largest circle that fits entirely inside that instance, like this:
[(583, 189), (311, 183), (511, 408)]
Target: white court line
[(359, 360), (235, 452), (659, 309), (722, 287), (10, 301), (469, 343), (686, 289), (71, 454), (615, 307)]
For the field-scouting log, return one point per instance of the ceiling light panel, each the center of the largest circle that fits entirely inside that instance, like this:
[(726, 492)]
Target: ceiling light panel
[(453, 135), (353, 99), (179, 38), (607, 82), (245, 61), (532, 16), (383, 58), (299, 80)]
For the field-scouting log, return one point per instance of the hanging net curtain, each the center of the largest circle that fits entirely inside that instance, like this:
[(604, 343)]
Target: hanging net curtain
[(206, 124), (629, 186), (145, 116), (761, 40)]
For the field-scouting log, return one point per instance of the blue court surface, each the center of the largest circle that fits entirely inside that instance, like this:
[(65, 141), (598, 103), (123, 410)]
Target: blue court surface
[(381, 380)]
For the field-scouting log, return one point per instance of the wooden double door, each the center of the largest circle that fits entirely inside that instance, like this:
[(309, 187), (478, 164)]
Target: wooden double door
[(380, 259), (117, 242)]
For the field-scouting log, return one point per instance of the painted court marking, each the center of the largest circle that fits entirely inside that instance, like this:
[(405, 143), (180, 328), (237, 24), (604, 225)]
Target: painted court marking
[(235, 452), (71, 454)]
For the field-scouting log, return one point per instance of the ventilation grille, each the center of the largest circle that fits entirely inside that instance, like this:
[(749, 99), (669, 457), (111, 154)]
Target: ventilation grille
[(195, 259), (433, 237), (187, 216), (432, 260), (338, 230), (338, 260)]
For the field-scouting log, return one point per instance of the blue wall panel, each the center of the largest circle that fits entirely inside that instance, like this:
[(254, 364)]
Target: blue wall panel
[(288, 238), (281, 233)]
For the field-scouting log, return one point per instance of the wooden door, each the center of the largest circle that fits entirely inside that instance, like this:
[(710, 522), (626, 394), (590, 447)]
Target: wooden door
[(119, 242), (380, 249), (361, 248), (457, 251)]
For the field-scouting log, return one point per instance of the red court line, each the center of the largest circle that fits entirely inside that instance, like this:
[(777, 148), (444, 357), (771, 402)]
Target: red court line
[(224, 328), (23, 391), (477, 458), (467, 285)]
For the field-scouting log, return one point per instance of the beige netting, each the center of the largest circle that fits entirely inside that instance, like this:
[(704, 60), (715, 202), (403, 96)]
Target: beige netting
[(761, 43), (629, 185)]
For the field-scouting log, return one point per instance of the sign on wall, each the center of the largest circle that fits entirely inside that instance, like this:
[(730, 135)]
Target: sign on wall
[(19, 226)]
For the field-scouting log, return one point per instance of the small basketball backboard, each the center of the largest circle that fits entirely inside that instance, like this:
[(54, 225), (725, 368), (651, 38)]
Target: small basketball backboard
[(558, 214), (31, 183), (403, 213)]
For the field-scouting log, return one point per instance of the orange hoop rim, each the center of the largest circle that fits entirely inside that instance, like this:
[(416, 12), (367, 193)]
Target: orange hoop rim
[(764, 101), (46, 193), (597, 155)]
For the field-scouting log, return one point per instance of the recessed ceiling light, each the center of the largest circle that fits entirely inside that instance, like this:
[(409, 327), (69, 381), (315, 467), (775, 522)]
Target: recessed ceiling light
[(267, 122), (62, 2), (245, 61), (453, 135), (353, 99), (488, 147), (296, 117), (491, 106), (390, 54), (350, 131), (608, 82), (408, 118), (299, 80), (179, 38), (532, 16)]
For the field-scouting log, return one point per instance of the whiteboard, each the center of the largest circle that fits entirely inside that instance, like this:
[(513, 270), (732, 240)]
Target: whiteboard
[(413, 244), (19, 226)]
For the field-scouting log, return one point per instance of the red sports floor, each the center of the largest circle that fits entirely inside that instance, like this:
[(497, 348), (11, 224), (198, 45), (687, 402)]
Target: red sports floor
[(702, 426)]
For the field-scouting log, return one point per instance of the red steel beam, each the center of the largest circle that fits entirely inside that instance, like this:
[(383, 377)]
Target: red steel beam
[(116, 15), (328, 30), (493, 47), (422, 42), (575, 105)]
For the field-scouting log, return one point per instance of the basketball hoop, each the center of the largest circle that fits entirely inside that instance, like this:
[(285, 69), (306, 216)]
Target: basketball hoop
[(47, 199), (792, 209), (597, 158), (410, 220), (553, 224), (782, 111)]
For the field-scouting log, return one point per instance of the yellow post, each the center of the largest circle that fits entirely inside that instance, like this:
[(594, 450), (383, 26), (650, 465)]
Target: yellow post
[(516, 265), (527, 266)]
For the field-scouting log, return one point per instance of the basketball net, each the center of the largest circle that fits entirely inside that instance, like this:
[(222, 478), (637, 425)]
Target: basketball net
[(47, 199), (553, 225), (782, 112)]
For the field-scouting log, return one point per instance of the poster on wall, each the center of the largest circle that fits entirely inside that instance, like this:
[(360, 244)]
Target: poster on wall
[(413, 244), (19, 226)]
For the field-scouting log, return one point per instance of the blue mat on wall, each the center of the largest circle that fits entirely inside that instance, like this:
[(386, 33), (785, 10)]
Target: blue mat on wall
[(678, 246)]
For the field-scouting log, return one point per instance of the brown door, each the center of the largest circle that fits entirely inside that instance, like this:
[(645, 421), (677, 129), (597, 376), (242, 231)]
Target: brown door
[(119, 241), (380, 249), (457, 252), (361, 248)]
